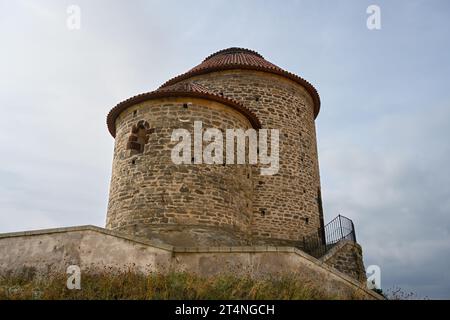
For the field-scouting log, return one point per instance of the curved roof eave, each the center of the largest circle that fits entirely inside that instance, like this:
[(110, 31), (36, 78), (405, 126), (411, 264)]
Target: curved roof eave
[(119, 108)]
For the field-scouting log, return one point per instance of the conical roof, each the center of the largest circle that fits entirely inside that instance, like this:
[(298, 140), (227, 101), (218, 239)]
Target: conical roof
[(240, 58)]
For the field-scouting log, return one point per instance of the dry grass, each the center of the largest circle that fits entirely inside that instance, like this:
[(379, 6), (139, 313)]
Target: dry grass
[(108, 285)]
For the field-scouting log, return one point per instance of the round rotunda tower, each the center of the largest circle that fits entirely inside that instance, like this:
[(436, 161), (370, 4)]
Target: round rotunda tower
[(210, 205)]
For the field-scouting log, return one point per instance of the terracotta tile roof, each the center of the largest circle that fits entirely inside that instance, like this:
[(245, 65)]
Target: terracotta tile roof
[(234, 56), (240, 58), (185, 87), (189, 89)]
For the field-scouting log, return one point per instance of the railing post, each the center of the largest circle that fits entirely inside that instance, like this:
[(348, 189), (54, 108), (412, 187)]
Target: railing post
[(354, 232), (340, 227)]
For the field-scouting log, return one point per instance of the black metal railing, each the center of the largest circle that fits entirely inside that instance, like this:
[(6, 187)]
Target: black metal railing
[(319, 242)]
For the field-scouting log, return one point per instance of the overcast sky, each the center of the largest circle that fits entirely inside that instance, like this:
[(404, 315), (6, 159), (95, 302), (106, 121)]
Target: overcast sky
[(383, 129)]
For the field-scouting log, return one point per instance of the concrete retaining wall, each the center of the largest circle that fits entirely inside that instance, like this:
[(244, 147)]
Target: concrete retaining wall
[(53, 250)]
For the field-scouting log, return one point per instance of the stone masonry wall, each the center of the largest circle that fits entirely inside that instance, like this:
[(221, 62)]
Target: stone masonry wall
[(346, 257), (285, 206), (185, 204)]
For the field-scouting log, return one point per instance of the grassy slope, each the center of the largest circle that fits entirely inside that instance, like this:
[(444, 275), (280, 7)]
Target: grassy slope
[(133, 285)]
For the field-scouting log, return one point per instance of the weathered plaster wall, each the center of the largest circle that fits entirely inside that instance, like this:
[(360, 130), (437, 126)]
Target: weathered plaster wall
[(53, 250), (92, 247)]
